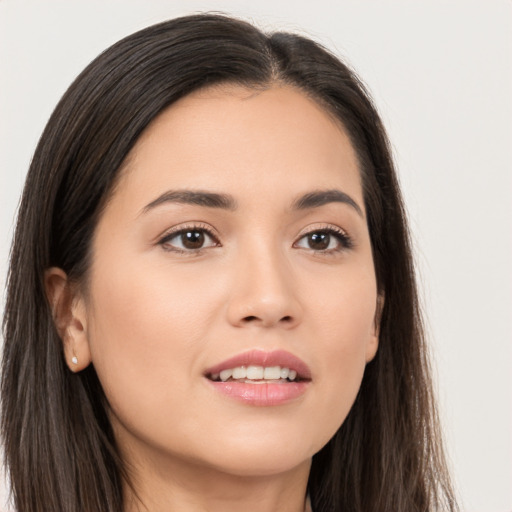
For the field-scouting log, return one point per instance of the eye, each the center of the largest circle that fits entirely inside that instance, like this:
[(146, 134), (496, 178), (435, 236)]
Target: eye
[(191, 239), (325, 240)]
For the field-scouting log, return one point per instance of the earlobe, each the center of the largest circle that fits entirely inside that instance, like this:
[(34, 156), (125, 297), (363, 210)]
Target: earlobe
[(371, 348), (69, 316), (373, 344)]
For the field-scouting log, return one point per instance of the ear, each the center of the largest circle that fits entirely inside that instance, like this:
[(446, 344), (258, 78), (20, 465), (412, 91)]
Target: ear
[(69, 316), (373, 344)]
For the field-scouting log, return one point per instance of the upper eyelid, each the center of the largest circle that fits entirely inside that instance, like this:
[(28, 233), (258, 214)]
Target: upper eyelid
[(212, 232), (346, 240), (164, 240), (192, 226), (311, 228)]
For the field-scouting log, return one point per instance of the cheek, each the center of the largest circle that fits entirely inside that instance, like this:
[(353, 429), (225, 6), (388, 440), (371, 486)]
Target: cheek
[(344, 325), (143, 307), (146, 331), (342, 307)]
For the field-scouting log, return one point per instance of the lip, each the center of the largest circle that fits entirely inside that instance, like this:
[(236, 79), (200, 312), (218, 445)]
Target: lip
[(262, 394), (280, 358)]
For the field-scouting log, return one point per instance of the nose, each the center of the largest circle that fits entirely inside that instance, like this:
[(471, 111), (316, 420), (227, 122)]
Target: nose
[(264, 292)]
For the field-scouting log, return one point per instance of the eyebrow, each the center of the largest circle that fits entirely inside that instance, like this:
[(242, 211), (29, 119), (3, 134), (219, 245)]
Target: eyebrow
[(307, 201), (196, 197), (321, 197)]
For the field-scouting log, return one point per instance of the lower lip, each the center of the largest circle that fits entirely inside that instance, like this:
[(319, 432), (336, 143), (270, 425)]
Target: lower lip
[(261, 394)]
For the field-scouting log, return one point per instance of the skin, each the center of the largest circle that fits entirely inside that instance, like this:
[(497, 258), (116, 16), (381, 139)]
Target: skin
[(154, 318)]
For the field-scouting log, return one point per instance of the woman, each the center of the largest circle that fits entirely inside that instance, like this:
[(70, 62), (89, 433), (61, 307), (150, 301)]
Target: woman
[(211, 302)]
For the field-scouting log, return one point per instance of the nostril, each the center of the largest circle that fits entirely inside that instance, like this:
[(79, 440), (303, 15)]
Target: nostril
[(253, 318)]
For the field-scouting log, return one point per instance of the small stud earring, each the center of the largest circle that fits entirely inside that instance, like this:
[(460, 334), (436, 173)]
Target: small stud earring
[(74, 360)]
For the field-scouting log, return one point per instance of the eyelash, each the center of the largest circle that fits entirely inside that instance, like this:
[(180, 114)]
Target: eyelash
[(344, 240), (198, 228)]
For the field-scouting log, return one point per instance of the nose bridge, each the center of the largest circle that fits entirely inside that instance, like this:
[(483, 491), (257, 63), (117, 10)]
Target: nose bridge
[(263, 289)]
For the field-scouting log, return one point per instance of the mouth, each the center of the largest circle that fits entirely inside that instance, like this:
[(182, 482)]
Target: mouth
[(256, 375), (261, 378), (260, 366)]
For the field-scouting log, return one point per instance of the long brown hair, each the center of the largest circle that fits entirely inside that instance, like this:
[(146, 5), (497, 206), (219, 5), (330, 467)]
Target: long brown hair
[(60, 451)]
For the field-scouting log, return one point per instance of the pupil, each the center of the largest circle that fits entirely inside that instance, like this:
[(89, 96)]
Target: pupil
[(319, 240), (192, 239)]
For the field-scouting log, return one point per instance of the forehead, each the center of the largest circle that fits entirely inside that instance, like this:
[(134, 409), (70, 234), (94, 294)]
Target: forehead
[(239, 140)]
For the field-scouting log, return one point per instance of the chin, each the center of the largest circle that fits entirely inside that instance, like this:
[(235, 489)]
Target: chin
[(265, 454), (262, 465)]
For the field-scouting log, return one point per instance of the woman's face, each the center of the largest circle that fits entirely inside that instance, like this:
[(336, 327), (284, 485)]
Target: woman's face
[(237, 230)]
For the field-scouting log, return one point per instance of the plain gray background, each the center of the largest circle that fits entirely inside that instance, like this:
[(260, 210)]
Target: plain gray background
[(441, 75)]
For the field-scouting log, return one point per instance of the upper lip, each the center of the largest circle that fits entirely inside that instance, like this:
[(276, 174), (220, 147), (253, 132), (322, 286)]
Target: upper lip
[(264, 358)]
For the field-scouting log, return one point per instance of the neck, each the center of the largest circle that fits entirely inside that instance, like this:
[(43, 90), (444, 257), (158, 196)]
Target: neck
[(189, 487)]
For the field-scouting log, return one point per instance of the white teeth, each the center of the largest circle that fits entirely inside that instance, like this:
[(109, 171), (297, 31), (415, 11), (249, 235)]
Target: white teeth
[(255, 373), (225, 375), (272, 373), (240, 372)]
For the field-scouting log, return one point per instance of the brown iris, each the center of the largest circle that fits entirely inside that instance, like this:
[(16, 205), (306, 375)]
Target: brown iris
[(192, 239), (319, 241)]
